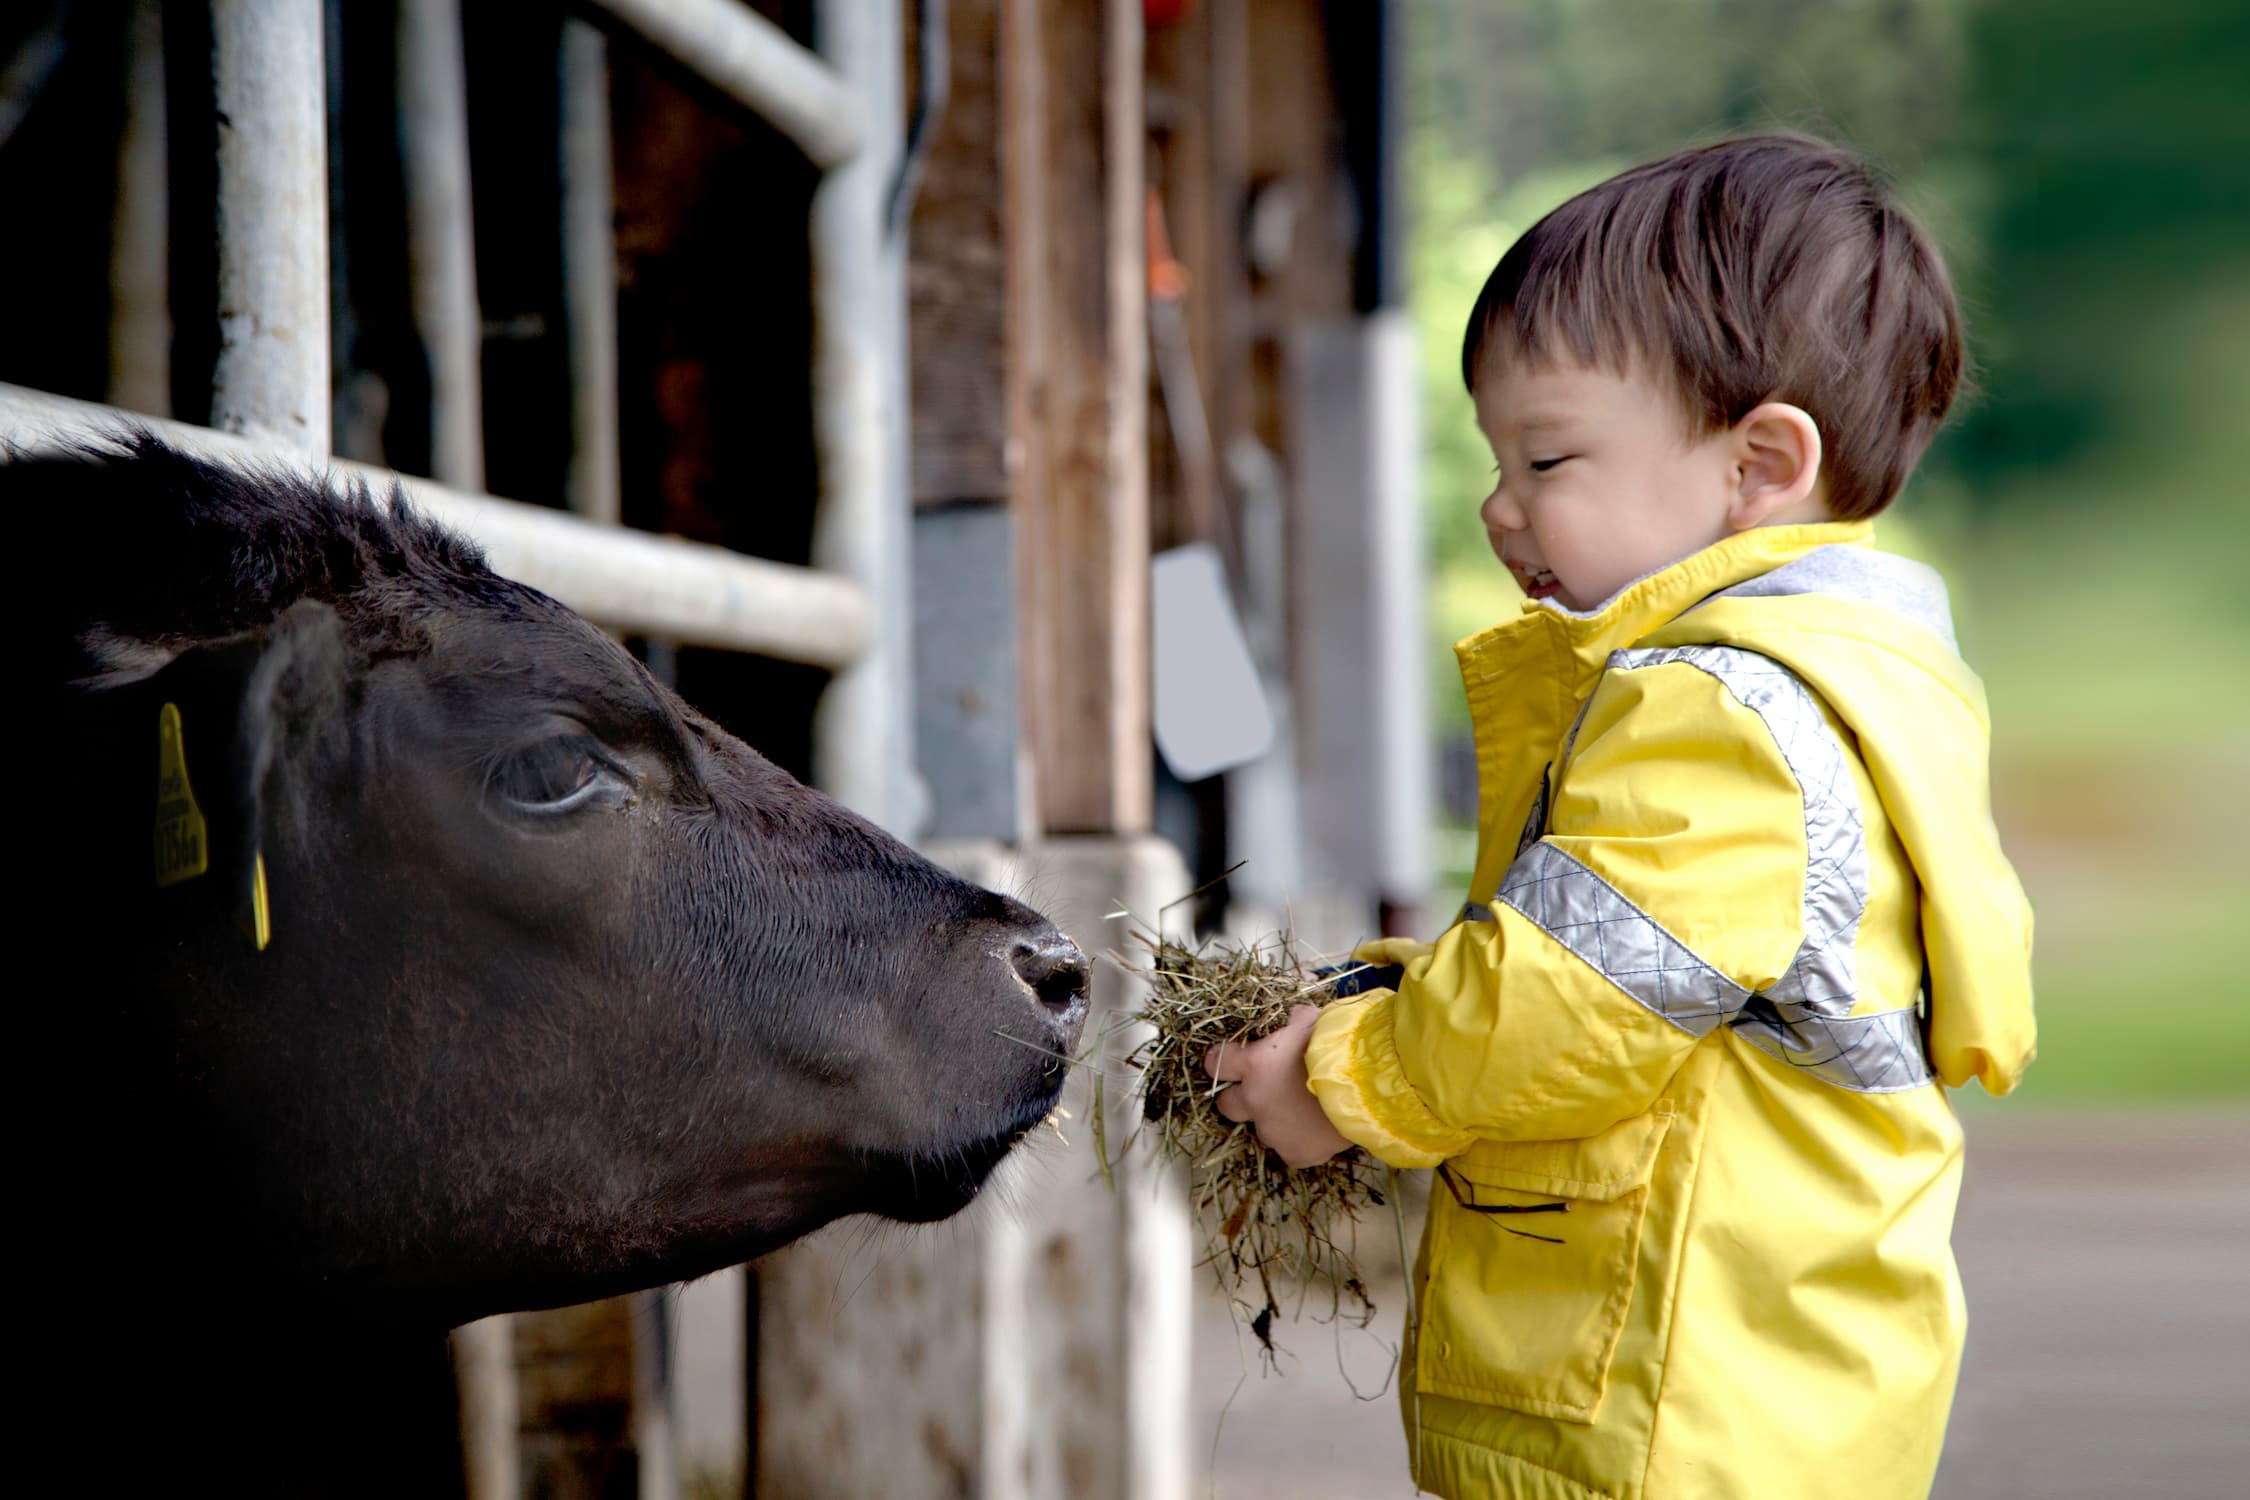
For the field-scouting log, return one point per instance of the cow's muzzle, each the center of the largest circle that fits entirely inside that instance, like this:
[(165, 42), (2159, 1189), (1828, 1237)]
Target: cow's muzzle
[(1058, 973)]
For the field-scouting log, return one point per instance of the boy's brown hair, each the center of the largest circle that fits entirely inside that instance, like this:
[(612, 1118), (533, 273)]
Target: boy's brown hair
[(1770, 268)]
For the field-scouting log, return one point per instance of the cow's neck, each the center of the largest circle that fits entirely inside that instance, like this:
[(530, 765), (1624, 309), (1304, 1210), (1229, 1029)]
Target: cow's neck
[(173, 1357), (271, 1397)]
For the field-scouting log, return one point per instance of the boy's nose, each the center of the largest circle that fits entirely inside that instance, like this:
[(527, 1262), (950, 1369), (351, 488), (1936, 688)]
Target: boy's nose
[(1500, 513)]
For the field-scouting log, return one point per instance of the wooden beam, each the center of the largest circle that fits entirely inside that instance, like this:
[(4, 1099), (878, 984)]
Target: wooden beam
[(1291, 148), (956, 279), (1078, 347), (1199, 93)]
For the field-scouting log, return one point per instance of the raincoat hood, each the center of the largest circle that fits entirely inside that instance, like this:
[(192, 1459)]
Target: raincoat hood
[(1872, 634)]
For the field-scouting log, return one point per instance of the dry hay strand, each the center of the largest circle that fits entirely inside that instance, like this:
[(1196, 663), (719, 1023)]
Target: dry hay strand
[(1260, 1221)]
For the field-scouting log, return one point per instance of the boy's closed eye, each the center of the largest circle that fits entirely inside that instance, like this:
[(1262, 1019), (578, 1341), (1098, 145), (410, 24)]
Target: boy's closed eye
[(1537, 465)]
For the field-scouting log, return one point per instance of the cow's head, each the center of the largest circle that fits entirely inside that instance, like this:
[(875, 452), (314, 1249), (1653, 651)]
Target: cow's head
[(566, 988)]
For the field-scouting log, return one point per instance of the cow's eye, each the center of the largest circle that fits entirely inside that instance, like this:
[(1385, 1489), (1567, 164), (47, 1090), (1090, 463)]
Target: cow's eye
[(555, 776)]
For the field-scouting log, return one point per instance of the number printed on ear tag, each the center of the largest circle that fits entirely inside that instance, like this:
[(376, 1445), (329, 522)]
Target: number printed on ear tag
[(183, 847)]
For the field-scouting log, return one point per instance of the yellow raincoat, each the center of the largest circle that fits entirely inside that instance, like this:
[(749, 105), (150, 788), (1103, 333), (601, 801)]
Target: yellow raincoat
[(1678, 1062)]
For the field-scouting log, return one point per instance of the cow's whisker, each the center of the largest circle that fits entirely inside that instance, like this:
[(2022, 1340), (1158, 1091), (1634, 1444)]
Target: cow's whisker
[(1081, 1060)]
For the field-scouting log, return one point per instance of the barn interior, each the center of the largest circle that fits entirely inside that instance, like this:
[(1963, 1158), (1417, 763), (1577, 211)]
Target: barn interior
[(1023, 329)]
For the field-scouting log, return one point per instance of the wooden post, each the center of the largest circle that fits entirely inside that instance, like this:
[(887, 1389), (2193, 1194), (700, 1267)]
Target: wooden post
[(1088, 1280), (1079, 347), (1087, 1287), (956, 279), (1036, 1345), (967, 732), (868, 1356), (1199, 101), (574, 1369)]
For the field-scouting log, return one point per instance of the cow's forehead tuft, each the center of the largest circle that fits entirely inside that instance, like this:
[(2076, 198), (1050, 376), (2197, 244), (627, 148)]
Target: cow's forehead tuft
[(164, 546)]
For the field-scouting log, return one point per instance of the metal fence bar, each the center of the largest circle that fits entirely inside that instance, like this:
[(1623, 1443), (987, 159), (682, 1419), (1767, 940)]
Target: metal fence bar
[(594, 488), (484, 1369), (753, 61), (140, 314), (863, 752), (433, 115), (433, 110), (629, 580), (271, 376)]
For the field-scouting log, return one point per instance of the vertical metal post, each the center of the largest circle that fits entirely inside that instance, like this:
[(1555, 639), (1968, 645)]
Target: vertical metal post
[(484, 1372), (862, 750), (271, 375), (1362, 735), (590, 273), (659, 1466), (594, 488), (1404, 769), (140, 316), (433, 112)]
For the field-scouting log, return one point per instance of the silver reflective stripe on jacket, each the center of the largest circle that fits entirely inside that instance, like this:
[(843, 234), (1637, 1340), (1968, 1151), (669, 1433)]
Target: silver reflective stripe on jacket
[(1595, 920), (1804, 1017)]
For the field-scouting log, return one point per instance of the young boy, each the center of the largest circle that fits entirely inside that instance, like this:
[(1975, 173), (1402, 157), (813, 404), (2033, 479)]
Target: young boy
[(1739, 908)]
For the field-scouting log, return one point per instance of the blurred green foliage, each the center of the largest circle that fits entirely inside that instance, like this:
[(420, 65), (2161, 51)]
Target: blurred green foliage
[(2086, 169), (2113, 146)]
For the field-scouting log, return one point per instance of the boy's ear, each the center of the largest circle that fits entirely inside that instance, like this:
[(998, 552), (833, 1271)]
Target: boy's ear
[(1777, 467)]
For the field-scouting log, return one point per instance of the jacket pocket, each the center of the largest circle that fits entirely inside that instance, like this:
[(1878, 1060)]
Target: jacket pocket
[(1533, 1257)]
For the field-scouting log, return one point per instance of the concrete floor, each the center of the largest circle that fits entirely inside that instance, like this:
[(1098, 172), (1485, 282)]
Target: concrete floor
[(2107, 1260)]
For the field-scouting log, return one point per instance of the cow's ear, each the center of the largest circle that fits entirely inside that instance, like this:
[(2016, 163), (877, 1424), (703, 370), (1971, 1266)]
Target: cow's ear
[(227, 714)]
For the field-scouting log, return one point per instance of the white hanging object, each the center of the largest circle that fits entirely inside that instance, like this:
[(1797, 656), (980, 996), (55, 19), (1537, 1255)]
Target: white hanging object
[(1211, 713)]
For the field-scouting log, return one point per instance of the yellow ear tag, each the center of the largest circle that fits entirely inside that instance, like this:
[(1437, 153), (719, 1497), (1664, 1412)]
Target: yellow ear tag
[(183, 848), (260, 924)]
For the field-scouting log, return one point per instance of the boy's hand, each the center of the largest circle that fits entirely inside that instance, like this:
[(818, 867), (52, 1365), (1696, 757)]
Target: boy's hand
[(1265, 1083)]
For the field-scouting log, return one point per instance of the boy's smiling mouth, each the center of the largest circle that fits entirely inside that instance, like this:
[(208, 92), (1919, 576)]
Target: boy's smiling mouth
[(1536, 583)]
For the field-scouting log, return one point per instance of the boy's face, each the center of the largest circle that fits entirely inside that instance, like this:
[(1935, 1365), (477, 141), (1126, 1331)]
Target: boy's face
[(1598, 483)]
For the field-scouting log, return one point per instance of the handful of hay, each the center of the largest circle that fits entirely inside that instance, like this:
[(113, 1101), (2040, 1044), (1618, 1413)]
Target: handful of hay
[(1259, 1219)]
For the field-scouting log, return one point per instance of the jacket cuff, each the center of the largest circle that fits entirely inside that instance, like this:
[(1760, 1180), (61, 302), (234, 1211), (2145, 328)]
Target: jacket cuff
[(1392, 950), (1353, 1068)]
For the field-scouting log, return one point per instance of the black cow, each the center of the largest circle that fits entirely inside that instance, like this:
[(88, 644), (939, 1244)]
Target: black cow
[(416, 957)]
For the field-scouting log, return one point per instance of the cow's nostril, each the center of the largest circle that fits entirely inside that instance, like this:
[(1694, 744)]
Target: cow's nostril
[(1056, 970)]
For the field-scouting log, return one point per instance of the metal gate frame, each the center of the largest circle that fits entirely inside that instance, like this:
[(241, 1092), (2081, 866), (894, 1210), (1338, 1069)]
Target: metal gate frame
[(271, 383)]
